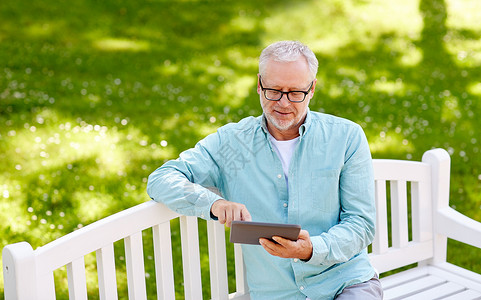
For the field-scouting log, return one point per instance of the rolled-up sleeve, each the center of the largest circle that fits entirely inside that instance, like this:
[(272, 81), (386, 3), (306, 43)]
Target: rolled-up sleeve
[(183, 184)]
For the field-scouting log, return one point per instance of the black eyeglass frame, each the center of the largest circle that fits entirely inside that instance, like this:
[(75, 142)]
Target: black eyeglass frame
[(287, 93)]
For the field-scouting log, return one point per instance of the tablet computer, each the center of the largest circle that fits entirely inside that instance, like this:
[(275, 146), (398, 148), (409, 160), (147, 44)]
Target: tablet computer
[(244, 232)]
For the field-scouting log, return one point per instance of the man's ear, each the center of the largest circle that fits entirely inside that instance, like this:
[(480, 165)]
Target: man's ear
[(313, 88), (258, 84)]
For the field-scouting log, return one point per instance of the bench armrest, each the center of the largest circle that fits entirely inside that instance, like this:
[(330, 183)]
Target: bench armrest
[(19, 271), (457, 226)]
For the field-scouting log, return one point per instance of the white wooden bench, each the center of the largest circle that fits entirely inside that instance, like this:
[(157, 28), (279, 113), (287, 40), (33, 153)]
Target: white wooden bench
[(403, 188)]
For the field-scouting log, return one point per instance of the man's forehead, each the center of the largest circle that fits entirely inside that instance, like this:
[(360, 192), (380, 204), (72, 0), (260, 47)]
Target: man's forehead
[(274, 84), (296, 80)]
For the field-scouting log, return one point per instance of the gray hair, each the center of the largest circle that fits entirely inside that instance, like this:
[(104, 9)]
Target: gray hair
[(286, 51)]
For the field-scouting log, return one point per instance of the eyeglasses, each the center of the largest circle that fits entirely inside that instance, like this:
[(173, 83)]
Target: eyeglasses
[(276, 95)]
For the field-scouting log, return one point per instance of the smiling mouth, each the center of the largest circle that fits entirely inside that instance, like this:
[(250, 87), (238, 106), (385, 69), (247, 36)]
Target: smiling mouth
[(282, 113)]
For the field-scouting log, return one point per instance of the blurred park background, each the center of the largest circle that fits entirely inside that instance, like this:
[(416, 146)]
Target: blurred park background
[(95, 95)]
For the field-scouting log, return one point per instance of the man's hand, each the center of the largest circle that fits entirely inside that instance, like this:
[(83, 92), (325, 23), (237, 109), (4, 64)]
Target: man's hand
[(227, 212), (302, 248)]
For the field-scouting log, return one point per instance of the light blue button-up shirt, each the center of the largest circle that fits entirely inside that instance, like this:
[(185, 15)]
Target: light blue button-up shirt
[(330, 194)]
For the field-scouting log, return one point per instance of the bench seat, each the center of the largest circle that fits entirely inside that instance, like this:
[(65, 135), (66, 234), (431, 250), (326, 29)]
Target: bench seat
[(440, 281)]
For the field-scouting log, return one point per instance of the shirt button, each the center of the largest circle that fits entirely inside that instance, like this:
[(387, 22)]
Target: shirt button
[(296, 259), (301, 288), (285, 204), (279, 176)]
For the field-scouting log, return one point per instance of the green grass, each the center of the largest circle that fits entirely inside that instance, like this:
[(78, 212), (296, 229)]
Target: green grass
[(95, 95)]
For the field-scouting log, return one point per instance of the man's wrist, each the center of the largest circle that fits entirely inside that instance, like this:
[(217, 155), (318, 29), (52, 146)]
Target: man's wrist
[(212, 215), (310, 255), (307, 259)]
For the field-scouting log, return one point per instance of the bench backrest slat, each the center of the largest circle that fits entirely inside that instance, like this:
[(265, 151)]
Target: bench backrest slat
[(217, 261), (164, 269), (240, 274), (191, 258), (422, 221), (106, 272), (380, 244), (134, 259), (399, 214), (45, 287), (77, 284)]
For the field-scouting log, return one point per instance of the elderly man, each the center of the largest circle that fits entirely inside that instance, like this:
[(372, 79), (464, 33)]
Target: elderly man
[(289, 165)]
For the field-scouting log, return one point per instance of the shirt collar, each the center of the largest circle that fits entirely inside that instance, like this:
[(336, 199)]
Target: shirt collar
[(307, 122)]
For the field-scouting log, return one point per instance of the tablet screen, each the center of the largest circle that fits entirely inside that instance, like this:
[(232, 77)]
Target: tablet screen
[(243, 232)]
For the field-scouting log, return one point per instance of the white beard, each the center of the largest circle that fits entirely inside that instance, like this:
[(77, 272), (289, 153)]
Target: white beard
[(283, 125)]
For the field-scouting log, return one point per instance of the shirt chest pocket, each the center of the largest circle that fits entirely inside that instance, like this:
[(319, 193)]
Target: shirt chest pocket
[(325, 190)]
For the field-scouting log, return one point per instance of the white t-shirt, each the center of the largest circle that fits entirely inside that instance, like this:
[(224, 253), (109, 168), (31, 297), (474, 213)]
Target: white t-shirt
[(285, 149)]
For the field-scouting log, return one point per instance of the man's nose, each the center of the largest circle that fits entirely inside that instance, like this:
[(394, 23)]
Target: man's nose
[(284, 101)]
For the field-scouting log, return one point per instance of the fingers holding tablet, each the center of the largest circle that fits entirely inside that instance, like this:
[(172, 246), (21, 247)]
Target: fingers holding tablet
[(286, 248)]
